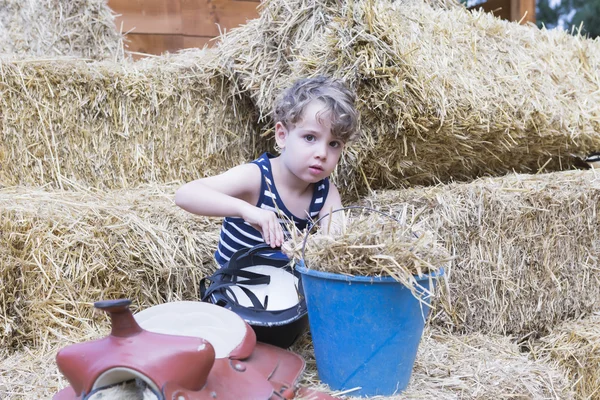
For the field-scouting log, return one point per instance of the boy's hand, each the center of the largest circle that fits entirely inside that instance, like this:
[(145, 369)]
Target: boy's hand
[(265, 222)]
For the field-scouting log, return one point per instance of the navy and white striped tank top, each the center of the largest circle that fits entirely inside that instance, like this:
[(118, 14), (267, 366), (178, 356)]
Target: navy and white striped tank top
[(237, 233)]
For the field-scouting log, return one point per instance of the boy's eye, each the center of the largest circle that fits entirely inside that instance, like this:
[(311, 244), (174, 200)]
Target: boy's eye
[(309, 138), (335, 144)]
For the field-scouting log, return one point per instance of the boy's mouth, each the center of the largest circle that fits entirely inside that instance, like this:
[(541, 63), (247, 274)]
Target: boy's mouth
[(315, 169)]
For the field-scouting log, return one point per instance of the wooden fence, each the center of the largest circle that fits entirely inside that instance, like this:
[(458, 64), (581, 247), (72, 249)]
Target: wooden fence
[(156, 26)]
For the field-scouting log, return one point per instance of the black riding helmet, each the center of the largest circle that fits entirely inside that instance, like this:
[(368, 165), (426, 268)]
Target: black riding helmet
[(260, 285)]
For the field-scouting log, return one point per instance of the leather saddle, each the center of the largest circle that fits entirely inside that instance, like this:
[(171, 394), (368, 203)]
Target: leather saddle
[(183, 351)]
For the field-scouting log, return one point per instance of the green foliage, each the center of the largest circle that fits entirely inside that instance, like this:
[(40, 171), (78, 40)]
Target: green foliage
[(588, 14), (546, 15), (572, 13)]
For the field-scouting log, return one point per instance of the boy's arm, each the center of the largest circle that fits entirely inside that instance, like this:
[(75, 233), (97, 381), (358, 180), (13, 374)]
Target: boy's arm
[(332, 223), (229, 195)]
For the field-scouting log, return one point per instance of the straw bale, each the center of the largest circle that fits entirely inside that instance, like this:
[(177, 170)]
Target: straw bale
[(474, 366), (70, 248), (32, 373), (50, 28), (575, 345), (10, 288), (444, 93), (525, 247), (115, 125), (448, 367), (29, 374)]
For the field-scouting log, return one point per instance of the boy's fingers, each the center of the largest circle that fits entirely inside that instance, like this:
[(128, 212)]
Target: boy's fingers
[(274, 225), (277, 240), (276, 234), (266, 234), (269, 234), (280, 235)]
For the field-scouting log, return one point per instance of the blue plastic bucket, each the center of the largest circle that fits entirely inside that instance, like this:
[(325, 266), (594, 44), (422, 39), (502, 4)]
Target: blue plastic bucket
[(366, 331)]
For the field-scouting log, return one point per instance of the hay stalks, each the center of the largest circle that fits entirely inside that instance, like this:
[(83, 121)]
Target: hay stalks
[(471, 366), (448, 367), (30, 374), (52, 28), (68, 249), (575, 345), (444, 93), (367, 243), (33, 374), (525, 248), (118, 125)]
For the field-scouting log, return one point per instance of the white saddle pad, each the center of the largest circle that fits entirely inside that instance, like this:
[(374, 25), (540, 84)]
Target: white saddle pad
[(222, 328)]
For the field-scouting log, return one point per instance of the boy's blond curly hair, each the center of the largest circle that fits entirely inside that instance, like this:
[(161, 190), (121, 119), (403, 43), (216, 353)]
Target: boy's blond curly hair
[(339, 103)]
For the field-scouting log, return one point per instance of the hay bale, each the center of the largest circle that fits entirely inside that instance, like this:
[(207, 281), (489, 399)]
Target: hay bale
[(69, 249), (482, 367), (29, 374), (116, 125), (525, 247), (474, 366), (443, 93), (575, 345), (51, 28), (10, 289), (447, 367), (33, 374)]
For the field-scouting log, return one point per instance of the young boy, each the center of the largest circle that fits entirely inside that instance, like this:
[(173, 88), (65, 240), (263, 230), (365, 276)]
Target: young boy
[(314, 119)]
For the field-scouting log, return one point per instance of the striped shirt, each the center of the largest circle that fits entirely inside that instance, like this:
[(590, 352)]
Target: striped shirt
[(237, 233)]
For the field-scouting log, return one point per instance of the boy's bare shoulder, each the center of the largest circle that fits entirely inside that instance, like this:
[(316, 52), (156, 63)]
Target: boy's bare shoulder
[(333, 201), (244, 171), (239, 180)]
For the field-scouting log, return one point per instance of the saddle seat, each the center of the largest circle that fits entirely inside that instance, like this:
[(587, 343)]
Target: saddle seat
[(181, 350)]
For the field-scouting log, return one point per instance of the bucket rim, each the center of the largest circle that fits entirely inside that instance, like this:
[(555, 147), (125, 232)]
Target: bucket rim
[(301, 267)]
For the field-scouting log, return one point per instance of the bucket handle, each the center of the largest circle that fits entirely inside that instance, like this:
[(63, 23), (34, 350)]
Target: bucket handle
[(345, 209)]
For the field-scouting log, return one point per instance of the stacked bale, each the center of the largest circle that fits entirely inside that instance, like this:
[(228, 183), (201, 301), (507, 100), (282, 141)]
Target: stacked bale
[(526, 248), (475, 366), (51, 28), (443, 93), (114, 125), (30, 375), (575, 345), (480, 366), (68, 249), (447, 367), (10, 289)]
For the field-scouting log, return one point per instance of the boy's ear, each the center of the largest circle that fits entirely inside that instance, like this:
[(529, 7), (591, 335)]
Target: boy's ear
[(280, 134)]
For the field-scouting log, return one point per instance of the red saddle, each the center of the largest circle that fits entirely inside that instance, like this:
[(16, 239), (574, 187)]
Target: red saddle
[(183, 351)]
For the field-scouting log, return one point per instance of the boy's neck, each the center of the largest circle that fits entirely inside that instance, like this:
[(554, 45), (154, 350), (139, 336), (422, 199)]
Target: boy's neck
[(285, 178)]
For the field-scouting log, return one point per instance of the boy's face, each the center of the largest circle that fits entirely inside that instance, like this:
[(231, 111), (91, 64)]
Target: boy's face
[(309, 150)]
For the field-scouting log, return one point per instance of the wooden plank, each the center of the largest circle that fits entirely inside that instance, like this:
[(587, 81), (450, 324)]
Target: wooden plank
[(187, 17), (148, 16), (511, 10), (153, 43), (500, 8), (235, 13), (201, 17), (159, 43), (157, 26), (523, 9), (197, 18), (198, 41)]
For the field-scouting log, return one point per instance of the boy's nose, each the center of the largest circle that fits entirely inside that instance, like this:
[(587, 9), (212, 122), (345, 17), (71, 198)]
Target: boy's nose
[(321, 152)]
